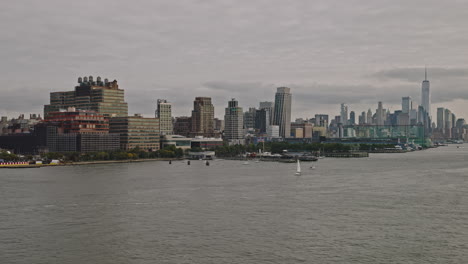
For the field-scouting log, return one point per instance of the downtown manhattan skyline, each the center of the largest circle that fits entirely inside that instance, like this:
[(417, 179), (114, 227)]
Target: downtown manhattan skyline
[(328, 53)]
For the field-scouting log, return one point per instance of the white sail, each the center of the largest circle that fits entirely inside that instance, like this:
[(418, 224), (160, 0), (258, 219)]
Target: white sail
[(298, 166)]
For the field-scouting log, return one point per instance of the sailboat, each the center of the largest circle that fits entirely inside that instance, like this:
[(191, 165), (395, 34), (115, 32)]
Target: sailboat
[(298, 171)]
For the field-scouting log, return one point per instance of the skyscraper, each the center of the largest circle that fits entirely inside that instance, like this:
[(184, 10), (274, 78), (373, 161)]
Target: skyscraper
[(380, 114), (233, 122), (268, 106), (441, 119), (203, 117), (406, 105), (344, 114), (164, 113), (352, 118), (426, 95), (282, 111), (369, 117)]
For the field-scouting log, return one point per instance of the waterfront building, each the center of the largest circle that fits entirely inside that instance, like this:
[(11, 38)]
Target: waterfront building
[(273, 131), (302, 129), (183, 125), (74, 130), (19, 125), (233, 122), (103, 97), (262, 120), (136, 131), (426, 95), (206, 143), (218, 125), (164, 113), (202, 117), (282, 111), (176, 140), (79, 121)]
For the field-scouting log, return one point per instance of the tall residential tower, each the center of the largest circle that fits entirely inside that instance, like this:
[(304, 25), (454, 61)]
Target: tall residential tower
[(164, 113), (282, 111), (233, 122)]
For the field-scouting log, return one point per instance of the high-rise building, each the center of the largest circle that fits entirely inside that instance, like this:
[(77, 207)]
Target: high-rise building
[(103, 97), (369, 117), (282, 111), (164, 113), (262, 120), (380, 114), (344, 114), (183, 126), (268, 106), (362, 118), (441, 119), (136, 131), (233, 122), (406, 104), (203, 117), (352, 118), (321, 120), (426, 95), (249, 118)]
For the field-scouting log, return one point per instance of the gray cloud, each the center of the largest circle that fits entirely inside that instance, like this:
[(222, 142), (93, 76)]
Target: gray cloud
[(416, 74), (328, 51)]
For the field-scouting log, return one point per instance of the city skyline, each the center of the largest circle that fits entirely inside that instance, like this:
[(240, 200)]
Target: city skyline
[(162, 50)]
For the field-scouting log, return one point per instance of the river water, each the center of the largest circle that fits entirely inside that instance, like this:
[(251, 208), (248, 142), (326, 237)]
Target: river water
[(388, 208)]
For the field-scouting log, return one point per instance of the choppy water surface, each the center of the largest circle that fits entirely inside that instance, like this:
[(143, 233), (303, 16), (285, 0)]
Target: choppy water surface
[(389, 208)]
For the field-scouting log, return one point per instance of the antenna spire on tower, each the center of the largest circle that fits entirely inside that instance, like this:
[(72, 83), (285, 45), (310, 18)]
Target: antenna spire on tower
[(425, 73)]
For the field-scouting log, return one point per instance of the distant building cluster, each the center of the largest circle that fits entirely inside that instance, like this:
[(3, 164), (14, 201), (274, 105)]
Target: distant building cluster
[(94, 117)]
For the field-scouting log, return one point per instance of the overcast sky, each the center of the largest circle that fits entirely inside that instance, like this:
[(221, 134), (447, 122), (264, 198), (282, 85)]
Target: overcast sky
[(328, 52)]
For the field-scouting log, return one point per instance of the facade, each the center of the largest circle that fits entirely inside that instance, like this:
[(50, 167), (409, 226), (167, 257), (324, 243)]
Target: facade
[(441, 118), (202, 117), (406, 105), (233, 122), (79, 121), (176, 140), (282, 111), (426, 95), (103, 97), (321, 120), (183, 126), (249, 118), (136, 131), (269, 107), (302, 129), (380, 115), (206, 143), (262, 120), (344, 114), (352, 118), (273, 131), (164, 113)]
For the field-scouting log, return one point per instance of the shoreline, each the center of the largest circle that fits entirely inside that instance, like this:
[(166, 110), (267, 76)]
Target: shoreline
[(80, 163)]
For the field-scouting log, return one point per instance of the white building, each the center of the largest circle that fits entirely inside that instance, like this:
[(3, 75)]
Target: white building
[(164, 113)]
